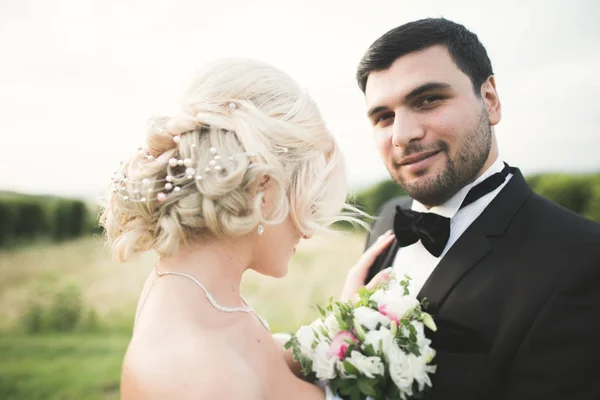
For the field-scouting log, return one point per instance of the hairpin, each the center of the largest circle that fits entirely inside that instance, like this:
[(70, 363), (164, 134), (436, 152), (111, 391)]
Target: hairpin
[(146, 190), (155, 124)]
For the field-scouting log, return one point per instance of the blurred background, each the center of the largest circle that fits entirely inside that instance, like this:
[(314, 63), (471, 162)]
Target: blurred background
[(79, 79)]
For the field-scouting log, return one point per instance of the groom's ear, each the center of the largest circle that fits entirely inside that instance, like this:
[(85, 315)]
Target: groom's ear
[(491, 100)]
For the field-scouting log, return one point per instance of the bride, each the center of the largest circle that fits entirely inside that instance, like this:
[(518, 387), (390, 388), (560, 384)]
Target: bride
[(233, 182)]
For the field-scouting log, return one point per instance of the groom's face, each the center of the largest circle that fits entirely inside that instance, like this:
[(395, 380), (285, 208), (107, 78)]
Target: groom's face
[(432, 130)]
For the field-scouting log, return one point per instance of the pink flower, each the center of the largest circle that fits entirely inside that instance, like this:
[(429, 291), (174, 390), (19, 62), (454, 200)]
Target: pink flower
[(340, 344), (383, 309)]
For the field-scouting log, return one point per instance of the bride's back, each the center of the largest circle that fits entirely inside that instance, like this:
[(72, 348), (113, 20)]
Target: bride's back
[(179, 347), (182, 347)]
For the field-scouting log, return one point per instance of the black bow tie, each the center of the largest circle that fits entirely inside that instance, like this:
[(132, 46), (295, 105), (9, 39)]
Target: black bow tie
[(432, 229)]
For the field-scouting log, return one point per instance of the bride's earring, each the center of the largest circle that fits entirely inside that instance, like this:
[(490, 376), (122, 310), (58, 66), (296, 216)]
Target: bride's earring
[(260, 229)]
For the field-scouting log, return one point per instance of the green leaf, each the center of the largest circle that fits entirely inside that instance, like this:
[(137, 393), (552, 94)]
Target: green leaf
[(405, 322), (366, 388), (321, 311), (393, 329), (347, 383), (324, 331), (359, 330), (350, 349), (315, 333), (350, 369), (346, 391), (290, 341), (369, 351), (393, 393), (305, 366)]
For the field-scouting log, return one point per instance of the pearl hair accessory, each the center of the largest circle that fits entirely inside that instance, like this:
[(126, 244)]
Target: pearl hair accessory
[(146, 190)]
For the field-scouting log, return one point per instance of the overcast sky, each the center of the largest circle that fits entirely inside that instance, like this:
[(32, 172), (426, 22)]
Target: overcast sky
[(80, 78)]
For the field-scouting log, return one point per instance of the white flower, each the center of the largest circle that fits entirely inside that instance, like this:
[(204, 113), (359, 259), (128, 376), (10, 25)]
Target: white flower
[(429, 322), (400, 369), (317, 325), (408, 368), (423, 342), (306, 337), (395, 304), (368, 366), (379, 296), (420, 370), (419, 327), (369, 318), (382, 296), (323, 364), (331, 324), (380, 339)]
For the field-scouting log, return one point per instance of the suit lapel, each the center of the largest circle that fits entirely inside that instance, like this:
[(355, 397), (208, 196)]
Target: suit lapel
[(389, 255), (385, 223), (384, 260), (473, 245)]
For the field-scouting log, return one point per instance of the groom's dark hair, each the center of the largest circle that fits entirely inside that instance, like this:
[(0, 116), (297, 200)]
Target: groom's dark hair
[(464, 47)]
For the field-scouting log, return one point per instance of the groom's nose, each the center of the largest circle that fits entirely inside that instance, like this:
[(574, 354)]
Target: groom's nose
[(405, 129)]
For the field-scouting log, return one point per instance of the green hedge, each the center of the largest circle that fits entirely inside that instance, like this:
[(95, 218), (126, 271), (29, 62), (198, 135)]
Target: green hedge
[(24, 219), (371, 200), (571, 191), (577, 192)]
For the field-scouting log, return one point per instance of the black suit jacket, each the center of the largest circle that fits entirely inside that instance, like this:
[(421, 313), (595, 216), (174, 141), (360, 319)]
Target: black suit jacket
[(516, 300)]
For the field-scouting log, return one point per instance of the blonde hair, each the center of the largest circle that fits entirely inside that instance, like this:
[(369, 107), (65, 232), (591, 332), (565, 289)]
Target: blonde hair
[(274, 119)]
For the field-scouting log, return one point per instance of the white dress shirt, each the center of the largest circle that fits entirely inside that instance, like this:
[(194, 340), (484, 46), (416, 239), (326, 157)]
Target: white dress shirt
[(415, 260)]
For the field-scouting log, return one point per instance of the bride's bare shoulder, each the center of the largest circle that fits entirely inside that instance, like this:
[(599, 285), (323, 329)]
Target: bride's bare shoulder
[(191, 368)]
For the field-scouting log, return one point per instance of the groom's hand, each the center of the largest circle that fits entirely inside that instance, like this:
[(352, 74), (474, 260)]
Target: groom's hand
[(357, 274)]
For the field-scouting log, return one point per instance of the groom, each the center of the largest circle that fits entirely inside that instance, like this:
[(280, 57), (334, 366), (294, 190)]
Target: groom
[(512, 279)]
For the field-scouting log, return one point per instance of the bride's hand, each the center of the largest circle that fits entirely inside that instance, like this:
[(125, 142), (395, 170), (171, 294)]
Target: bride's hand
[(357, 274)]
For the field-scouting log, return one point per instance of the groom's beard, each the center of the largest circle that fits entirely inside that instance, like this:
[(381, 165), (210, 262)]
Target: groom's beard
[(458, 172)]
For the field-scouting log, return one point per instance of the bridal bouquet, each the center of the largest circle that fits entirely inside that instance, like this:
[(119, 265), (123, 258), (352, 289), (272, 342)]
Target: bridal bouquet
[(373, 348)]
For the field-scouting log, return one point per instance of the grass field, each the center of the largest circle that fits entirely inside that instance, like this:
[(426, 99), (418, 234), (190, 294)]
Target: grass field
[(87, 365), (67, 366)]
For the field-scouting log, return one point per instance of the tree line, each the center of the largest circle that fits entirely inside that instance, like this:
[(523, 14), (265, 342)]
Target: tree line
[(579, 193), (26, 218)]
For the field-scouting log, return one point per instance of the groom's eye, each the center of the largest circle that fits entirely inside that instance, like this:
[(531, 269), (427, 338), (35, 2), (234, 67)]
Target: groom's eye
[(383, 118), (429, 101)]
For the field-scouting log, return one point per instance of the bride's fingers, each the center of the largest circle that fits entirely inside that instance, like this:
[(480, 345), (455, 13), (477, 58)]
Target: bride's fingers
[(357, 274), (369, 256), (381, 276), (381, 243)]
